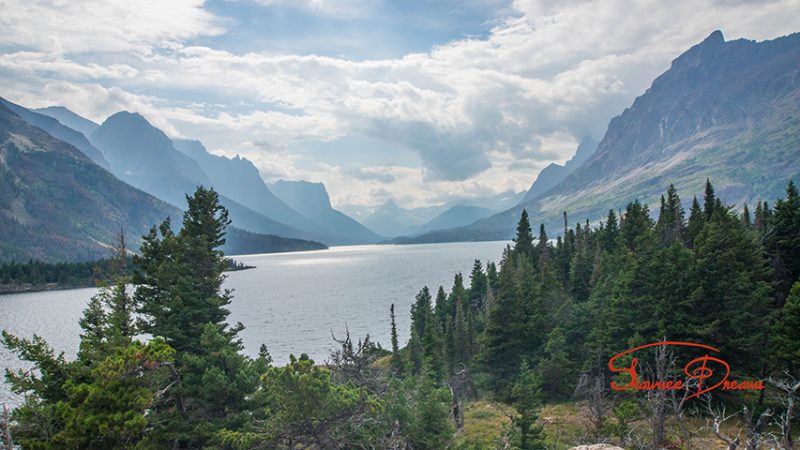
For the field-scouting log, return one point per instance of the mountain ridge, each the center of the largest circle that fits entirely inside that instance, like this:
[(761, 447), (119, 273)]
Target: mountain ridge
[(57, 129), (56, 204), (724, 110), (312, 201)]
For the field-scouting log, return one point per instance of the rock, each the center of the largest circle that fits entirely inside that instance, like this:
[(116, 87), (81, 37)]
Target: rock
[(597, 447)]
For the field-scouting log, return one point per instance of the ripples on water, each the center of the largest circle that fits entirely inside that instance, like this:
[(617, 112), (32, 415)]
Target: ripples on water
[(291, 301)]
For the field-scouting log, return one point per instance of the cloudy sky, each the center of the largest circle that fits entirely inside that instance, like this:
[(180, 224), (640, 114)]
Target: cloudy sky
[(423, 101)]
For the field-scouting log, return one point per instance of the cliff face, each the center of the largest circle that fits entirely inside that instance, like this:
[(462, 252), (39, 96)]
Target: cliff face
[(725, 110), (715, 88)]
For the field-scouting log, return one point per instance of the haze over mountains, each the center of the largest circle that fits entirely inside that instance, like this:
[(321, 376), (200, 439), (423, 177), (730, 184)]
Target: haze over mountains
[(58, 205), (59, 131), (143, 157), (724, 110), (312, 201), (728, 111)]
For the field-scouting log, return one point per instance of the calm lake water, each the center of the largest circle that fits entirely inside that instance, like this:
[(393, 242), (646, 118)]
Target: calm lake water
[(291, 302)]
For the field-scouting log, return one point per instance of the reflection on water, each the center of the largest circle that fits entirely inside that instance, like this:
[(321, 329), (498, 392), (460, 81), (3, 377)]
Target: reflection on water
[(292, 301)]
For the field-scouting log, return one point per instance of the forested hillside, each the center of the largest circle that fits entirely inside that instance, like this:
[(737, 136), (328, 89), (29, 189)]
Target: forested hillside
[(538, 328)]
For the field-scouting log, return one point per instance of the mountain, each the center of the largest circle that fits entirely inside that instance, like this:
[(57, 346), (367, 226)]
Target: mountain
[(724, 110), (58, 205), (70, 119), (239, 179), (143, 156), (58, 130), (312, 201), (554, 173), (390, 219), (455, 216), (241, 242)]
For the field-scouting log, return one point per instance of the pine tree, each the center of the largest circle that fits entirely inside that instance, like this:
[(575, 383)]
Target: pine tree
[(783, 242), (181, 299), (746, 219), (785, 337), (505, 327), (580, 279), (523, 242), (478, 286), (709, 201), (670, 225), (731, 301), (556, 367), (461, 338), (611, 231), (526, 395), (101, 400), (492, 277), (543, 250), (696, 222), (397, 362), (636, 225)]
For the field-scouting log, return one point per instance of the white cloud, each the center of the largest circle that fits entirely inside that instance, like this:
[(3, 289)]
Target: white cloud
[(483, 114), (103, 25), (338, 8)]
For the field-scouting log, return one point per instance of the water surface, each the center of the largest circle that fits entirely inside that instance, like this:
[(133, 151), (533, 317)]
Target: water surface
[(292, 302)]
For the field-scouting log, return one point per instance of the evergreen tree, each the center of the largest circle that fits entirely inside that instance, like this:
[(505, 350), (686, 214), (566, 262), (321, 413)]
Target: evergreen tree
[(101, 400), (556, 367), (696, 222), (783, 242), (611, 231), (181, 299), (527, 401), (461, 337), (746, 219), (543, 249), (580, 279), (523, 242), (504, 335), (397, 362), (731, 301), (478, 286), (492, 277), (670, 225), (637, 223), (709, 201), (785, 337)]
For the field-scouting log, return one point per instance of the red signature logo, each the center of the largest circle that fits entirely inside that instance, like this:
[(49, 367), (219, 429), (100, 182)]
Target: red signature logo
[(700, 369)]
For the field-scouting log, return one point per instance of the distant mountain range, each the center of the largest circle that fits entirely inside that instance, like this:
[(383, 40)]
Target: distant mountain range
[(390, 219), (59, 131), (555, 173), (312, 201), (58, 205), (70, 119), (728, 111), (143, 157)]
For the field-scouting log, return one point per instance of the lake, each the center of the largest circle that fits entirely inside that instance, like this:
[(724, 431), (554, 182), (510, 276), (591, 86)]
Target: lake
[(291, 302)]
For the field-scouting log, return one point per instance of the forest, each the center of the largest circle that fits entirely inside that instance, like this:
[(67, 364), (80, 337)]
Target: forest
[(36, 275), (536, 329)]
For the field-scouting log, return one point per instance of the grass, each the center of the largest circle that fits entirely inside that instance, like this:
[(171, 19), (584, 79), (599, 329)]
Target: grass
[(567, 425), (484, 424)]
